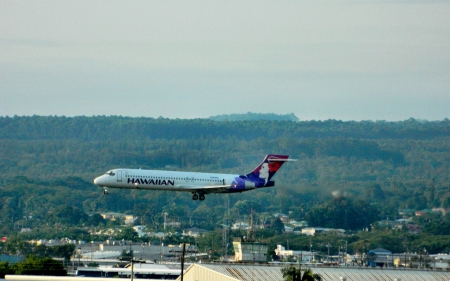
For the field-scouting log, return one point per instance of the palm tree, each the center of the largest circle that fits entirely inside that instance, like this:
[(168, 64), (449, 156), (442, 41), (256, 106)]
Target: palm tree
[(291, 273)]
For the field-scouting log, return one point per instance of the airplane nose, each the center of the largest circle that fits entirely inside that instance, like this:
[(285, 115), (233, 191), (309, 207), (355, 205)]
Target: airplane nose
[(97, 181)]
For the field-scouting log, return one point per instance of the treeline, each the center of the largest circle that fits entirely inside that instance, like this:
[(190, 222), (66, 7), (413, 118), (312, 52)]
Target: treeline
[(120, 128)]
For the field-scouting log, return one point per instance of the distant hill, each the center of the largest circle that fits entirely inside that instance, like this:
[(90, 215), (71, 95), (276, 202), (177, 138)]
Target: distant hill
[(48, 163), (249, 116)]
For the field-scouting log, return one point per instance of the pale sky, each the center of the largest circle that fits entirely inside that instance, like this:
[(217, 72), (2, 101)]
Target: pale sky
[(345, 60)]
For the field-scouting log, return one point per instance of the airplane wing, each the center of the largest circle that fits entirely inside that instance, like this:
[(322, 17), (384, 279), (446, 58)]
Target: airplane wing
[(204, 188)]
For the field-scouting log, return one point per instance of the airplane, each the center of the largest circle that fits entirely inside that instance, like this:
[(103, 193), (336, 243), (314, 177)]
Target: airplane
[(198, 184)]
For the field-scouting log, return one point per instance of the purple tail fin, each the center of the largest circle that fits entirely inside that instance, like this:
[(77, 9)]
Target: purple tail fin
[(262, 174)]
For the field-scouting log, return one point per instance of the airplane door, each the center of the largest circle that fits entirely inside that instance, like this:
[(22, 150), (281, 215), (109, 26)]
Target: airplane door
[(119, 176)]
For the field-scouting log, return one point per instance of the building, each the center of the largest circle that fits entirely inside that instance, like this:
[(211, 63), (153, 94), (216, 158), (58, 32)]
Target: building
[(240, 272), (140, 230), (240, 226), (140, 271), (381, 257), (194, 232), (250, 251), (114, 216), (304, 256), (310, 231)]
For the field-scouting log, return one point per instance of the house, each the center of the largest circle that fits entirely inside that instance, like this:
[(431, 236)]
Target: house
[(404, 221), (288, 229), (129, 220), (140, 230), (413, 229), (310, 231), (298, 224), (194, 232), (284, 218), (444, 211), (174, 224), (240, 225), (113, 216), (422, 212)]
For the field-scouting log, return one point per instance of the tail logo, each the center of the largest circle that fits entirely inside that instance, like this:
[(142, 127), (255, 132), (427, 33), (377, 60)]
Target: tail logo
[(267, 169)]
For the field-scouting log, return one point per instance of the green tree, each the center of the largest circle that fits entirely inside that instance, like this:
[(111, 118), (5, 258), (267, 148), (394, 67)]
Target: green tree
[(277, 225), (15, 245), (343, 213), (64, 251), (5, 269), (39, 266), (67, 214), (42, 251), (374, 193), (95, 220), (291, 273), (128, 233), (211, 242)]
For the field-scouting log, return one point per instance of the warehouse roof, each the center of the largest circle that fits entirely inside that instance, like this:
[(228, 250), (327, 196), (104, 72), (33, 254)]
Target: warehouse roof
[(247, 272)]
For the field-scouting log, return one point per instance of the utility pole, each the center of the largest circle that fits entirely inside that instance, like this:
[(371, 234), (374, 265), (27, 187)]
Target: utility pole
[(165, 217), (346, 248), (182, 261), (252, 230), (328, 245), (79, 257), (225, 229), (132, 268), (132, 260)]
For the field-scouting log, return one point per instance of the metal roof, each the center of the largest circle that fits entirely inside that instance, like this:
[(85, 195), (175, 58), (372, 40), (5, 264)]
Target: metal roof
[(247, 272)]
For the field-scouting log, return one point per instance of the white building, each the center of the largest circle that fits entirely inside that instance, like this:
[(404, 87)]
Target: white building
[(194, 232), (310, 231), (305, 256), (140, 230), (240, 225)]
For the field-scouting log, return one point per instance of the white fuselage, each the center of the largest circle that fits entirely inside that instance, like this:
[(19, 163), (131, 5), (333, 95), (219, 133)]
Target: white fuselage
[(166, 180), (198, 184)]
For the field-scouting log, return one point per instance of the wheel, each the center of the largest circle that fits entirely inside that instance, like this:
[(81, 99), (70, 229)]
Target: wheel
[(105, 191), (202, 196), (195, 196)]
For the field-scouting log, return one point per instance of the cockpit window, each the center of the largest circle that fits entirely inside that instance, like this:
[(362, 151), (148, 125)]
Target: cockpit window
[(111, 173)]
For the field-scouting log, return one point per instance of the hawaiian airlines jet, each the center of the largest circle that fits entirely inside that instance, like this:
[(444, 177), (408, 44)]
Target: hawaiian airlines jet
[(198, 184)]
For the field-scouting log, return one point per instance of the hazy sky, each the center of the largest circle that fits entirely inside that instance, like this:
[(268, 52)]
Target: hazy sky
[(347, 60)]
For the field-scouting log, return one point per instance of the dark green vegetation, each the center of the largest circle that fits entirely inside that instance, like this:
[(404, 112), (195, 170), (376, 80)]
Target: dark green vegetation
[(349, 174), (33, 265), (39, 259), (291, 273)]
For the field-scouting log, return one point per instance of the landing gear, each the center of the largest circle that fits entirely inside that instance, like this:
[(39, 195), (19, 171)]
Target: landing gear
[(105, 191), (196, 196)]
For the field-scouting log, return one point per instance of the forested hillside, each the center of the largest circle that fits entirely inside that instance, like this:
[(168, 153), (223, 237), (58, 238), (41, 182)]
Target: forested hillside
[(49, 162)]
